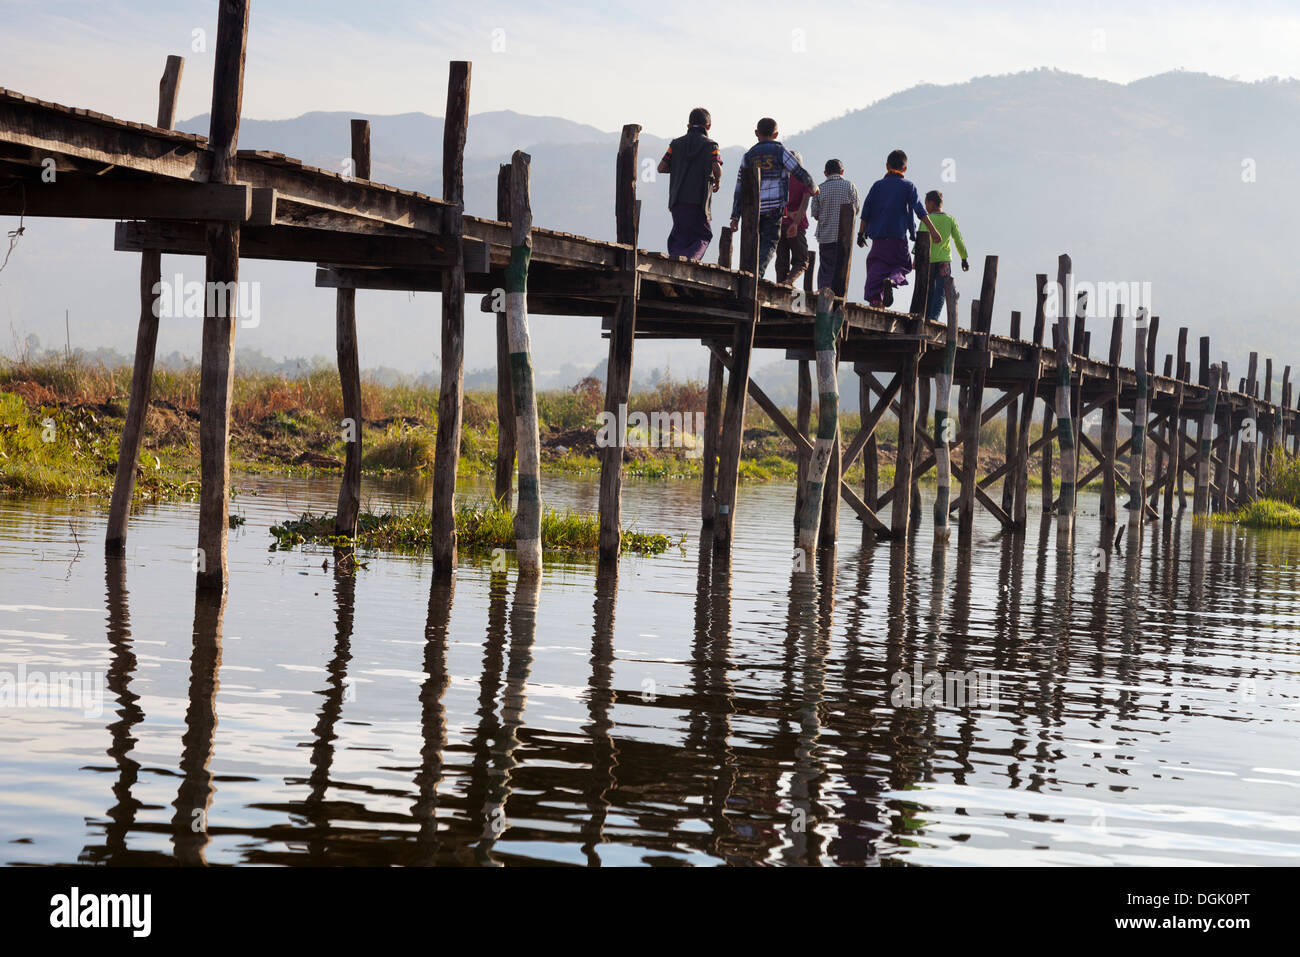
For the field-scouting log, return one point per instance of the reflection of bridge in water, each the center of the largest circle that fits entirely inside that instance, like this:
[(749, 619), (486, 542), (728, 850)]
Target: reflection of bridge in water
[(799, 759)]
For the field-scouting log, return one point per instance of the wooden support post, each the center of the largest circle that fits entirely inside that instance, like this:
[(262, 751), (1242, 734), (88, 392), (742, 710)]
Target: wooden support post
[(1179, 427), (345, 340), (733, 421), (1221, 469), (528, 517), (1268, 428), (1160, 438), (943, 431), (1137, 451), (712, 425), (1027, 410), (713, 412), (826, 335), (1249, 436), (870, 455), (217, 374), (803, 418), (146, 343), (921, 275), (1064, 420), (905, 455), (1283, 412), (507, 441), (446, 452), (1110, 422), (1009, 441), (901, 512), (618, 379), (981, 324), (830, 517), (922, 417), (1204, 435)]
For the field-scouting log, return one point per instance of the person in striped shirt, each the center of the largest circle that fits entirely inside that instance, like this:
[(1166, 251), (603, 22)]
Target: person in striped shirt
[(835, 193), (776, 165)]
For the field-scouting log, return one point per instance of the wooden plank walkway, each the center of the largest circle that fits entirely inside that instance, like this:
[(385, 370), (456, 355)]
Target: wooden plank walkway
[(179, 193)]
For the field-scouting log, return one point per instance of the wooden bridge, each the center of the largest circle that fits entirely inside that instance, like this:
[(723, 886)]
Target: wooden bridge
[(179, 193)]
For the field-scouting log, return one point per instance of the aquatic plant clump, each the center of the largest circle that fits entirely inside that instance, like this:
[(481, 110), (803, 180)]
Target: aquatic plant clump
[(478, 528), (1263, 513)]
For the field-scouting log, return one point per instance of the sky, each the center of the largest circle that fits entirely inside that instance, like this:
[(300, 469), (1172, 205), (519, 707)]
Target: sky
[(610, 63), (604, 64)]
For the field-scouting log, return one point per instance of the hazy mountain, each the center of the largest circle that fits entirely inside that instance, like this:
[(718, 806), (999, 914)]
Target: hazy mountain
[(1182, 180)]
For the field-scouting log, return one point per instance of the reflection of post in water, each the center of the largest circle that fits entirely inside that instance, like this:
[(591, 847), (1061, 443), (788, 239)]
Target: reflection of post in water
[(807, 640), (713, 702), (957, 645), (433, 718), (523, 629), (857, 825), (1102, 556), (121, 670), (194, 797), (604, 753), (938, 585), (1196, 572), (902, 654), (489, 724), (332, 697)]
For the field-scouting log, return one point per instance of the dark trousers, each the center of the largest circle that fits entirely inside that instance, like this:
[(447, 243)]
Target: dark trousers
[(691, 231), (769, 234), (939, 273), (791, 255), (829, 256)]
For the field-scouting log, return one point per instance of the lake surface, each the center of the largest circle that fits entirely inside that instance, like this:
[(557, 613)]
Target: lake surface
[(1144, 707)]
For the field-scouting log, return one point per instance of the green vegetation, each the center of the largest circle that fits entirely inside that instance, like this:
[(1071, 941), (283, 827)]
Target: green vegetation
[(478, 528), (1262, 513), (1280, 508), (290, 425), (57, 452)]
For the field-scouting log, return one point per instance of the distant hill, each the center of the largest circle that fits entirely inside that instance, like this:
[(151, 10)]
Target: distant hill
[(1182, 180)]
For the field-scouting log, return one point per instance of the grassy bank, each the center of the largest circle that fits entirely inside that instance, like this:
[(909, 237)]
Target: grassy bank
[(478, 529), (1264, 513), (291, 425), (1280, 477)]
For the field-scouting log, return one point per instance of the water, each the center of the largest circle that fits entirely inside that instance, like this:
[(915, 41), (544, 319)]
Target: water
[(1146, 707)]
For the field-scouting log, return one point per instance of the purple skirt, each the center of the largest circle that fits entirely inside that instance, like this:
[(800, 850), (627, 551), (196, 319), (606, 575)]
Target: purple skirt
[(888, 259), (691, 231)]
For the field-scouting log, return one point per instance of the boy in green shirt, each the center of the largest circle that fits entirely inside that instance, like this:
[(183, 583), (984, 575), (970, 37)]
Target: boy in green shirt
[(941, 253)]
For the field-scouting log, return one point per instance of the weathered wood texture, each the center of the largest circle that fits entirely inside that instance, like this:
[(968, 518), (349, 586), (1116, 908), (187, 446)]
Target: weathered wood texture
[(345, 336), (618, 379), (446, 451), (217, 374)]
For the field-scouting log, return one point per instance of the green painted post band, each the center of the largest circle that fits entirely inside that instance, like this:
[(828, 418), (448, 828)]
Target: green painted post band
[(828, 409), (521, 378), (826, 329), (529, 490), (517, 271)]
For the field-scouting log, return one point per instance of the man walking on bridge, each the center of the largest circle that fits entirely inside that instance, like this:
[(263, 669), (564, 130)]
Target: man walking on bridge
[(836, 192), (775, 165), (696, 173), (887, 222)]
